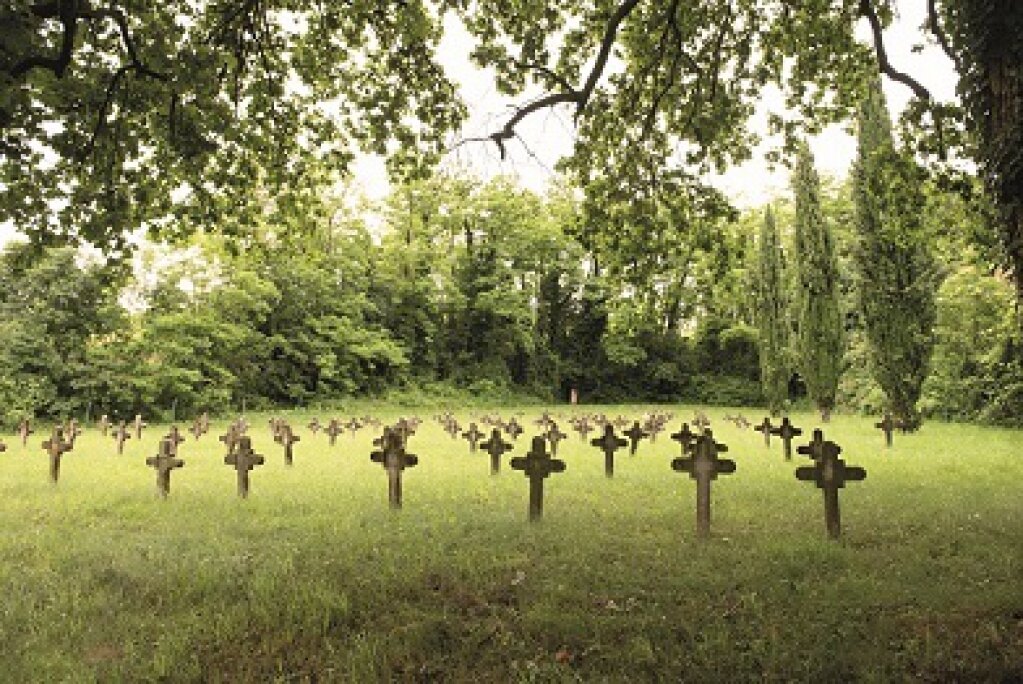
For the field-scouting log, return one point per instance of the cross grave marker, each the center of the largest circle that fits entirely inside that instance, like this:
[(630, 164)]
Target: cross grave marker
[(472, 435), (243, 459), (829, 473), (704, 466), (121, 435), (56, 447), (537, 465), (495, 447), (786, 430), (164, 462), (393, 458), (765, 429), (609, 443), (288, 439), (635, 433)]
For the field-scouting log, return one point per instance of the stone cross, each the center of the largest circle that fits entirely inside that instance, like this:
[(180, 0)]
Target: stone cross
[(786, 431), (393, 458), (545, 421), (104, 424), (288, 439), (71, 431), (584, 428), (314, 426), (765, 428), (701, 421), (635, 433), (164, 462), (513, 428), (888, 425), (230, 438), (175, 438), (121, 436), (537, 465), (243, 459), (704, 466), (829, 473), (333, 430), (554, 435), (196, 428), (609, 444), (496, 447), (139, 424), (24, 430), (55, 448), (685, 437), (473, 436)]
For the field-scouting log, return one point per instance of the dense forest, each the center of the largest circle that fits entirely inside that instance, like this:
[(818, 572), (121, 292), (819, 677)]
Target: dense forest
[(459, 288)]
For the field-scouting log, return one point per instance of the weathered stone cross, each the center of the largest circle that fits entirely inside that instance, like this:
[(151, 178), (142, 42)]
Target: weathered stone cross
[(888, 425), (786, 431), (121, 436), (704, 467), (139, 424), (830, 473), (243, 459), (55, 448), (554, 435), (609, 444), (685, 437), (24, 430), (635, 433), (288, 439), (393, 458), (473, 436), (333, 430), (495, 446), (175, 438), (537, 465), (164, 462)]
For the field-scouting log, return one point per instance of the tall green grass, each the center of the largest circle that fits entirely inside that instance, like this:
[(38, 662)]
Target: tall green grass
[(314, 578)]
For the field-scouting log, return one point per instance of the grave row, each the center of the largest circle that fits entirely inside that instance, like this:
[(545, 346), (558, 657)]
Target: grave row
[(700, 457)]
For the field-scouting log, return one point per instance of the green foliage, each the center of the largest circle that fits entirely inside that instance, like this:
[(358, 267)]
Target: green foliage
[(897, 274), (771, 315), (820, 327)]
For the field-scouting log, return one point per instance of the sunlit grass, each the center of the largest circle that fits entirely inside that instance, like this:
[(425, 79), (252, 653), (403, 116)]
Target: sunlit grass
[(314, 575)]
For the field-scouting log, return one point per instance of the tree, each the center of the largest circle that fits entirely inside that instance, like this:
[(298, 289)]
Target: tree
[(897, 273), (819, 337), (771, 316)]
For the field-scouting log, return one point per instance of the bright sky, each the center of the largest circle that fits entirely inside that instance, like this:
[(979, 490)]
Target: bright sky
[(549, 134)]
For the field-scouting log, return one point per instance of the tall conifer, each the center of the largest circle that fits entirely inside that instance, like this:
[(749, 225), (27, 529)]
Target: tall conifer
[(771, 317), (896, 271), (820, 336)]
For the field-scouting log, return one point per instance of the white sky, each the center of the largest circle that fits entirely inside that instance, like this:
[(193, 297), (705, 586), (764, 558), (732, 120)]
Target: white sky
[(549, 133)]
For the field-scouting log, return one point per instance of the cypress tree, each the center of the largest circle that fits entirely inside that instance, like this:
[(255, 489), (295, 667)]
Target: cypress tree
[(771, 316), (896, 271), (819, 338)]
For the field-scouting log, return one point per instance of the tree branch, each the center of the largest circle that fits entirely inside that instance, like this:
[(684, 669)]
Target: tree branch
[(867, 11), (934, 24)]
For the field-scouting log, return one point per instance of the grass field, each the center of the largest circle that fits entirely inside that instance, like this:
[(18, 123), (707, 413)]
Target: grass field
[(313, 578)]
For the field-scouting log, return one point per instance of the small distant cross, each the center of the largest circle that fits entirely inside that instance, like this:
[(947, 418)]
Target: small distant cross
[(334, 429), (513, 428), (164, 462), (584, 428), (704, 467), (288, 439), (314, 426), (685, 437), (537, 465), (786, 431), (230, 438), (56, 447), (701, 421), (139, 424), (175, 438), (609, 444), (243, 459), (196, 428), (635, 433), (554, 435), (24, 430), (121, 436), (104, 424), (496, 447), (829, 473), (473, 436), (888, 426), (393, 458), (765, 429)]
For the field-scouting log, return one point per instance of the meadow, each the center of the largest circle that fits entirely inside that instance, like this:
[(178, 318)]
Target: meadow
[(313, 578)]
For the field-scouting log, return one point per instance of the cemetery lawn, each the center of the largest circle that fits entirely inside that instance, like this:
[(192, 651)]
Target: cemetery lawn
[(314, 578)]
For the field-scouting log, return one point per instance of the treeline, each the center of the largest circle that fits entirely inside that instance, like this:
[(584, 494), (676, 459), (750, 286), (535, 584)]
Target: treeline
[(482, 287)]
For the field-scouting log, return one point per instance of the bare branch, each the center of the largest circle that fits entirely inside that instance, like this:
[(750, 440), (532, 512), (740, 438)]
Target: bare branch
[(867, 11)]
